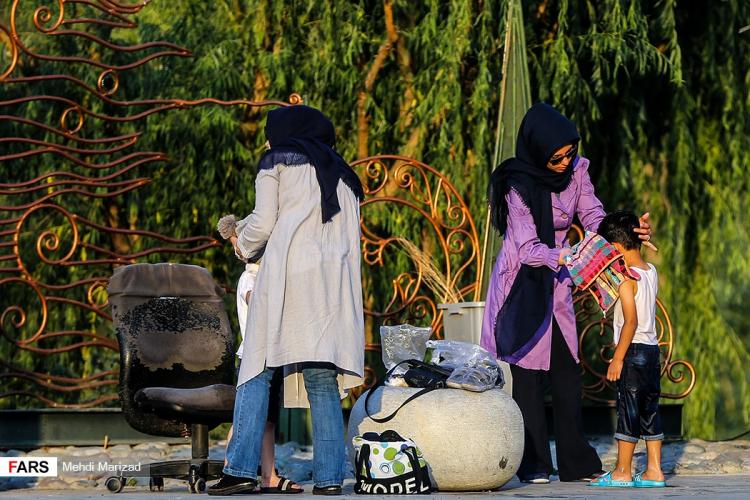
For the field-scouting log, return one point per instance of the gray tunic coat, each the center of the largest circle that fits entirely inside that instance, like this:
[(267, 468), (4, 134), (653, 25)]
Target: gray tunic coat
[(307, 302)]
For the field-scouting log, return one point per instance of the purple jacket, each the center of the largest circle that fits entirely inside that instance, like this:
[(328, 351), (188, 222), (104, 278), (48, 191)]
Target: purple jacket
[(522, 246)]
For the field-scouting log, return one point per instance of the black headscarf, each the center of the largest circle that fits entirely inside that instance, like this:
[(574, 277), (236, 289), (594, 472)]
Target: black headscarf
[(524, 315), (301, 134)]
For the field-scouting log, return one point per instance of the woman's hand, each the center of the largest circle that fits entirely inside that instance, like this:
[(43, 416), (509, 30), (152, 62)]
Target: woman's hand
[(563, 253), (644, 232)]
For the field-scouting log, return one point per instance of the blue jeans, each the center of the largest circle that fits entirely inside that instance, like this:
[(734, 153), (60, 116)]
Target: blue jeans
[(251, 409), (638, 393)]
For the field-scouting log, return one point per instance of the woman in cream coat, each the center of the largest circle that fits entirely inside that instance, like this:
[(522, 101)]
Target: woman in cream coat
[(306, 313)]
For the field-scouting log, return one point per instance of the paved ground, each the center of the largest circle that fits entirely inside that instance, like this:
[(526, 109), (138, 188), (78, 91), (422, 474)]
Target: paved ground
[(694, 457), (716, 486), (696, 469)]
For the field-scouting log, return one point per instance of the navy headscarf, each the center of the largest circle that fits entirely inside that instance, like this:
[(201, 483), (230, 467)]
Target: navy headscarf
[(524, 316), (301, 134)]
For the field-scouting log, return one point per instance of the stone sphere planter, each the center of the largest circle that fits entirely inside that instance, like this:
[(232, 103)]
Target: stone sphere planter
[(471, 441)]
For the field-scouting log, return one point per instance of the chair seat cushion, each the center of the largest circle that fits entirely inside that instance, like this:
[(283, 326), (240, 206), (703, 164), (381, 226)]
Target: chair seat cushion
[(213, 402)]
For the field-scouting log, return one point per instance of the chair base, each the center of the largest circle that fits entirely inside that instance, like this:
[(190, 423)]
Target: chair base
[(196, 472)]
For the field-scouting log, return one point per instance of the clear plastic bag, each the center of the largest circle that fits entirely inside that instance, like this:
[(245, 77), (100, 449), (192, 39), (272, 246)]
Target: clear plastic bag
[(474, 369), (402, 342)]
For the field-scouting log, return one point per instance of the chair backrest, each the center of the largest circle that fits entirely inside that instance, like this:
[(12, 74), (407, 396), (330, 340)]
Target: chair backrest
[(173, 331)]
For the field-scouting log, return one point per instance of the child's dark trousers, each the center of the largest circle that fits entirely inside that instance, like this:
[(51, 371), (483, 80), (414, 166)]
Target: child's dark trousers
[(638, 395)]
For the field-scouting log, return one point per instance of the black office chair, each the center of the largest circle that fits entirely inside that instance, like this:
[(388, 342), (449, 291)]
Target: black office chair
[(176, 363)]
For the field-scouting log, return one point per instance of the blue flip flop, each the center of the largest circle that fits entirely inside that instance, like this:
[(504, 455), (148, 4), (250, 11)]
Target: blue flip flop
[(639, 482), (606, 481)]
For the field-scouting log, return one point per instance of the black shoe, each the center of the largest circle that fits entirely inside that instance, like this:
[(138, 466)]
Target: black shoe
[(540, 478), (327, 490), (231, 485)]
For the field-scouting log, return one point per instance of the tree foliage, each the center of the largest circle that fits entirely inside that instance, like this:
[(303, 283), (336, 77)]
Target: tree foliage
[(659, 91)]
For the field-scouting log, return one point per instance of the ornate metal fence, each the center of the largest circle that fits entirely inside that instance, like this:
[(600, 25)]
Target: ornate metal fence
[(596, 346), (444, 228), (409, 200), (54, 261), (57, 348)]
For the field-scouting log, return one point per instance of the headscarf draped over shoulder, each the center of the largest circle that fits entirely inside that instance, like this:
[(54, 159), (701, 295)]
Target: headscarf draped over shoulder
[(526, 313), (300, 134)]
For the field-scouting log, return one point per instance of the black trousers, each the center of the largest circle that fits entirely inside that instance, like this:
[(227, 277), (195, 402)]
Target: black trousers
[(576, 458), (638, 393)]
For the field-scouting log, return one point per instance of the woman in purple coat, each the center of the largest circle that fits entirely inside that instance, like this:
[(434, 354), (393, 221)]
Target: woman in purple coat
[(529, 320)]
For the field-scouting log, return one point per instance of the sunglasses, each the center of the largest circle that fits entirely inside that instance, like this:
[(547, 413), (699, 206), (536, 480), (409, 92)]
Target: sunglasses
[(556, 160)]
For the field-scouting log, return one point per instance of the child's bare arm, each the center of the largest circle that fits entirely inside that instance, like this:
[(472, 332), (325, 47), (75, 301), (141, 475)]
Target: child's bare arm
[(627, 292)]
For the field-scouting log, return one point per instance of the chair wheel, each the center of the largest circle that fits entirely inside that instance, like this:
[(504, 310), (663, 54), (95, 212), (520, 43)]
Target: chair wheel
[(115, 484), (200, 485), (156, 484)]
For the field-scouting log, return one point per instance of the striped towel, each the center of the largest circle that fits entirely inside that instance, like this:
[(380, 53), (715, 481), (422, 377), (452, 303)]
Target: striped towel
[(596, 265)]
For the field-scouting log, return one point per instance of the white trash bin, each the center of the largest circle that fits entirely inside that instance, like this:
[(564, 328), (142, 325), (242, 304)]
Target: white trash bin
[(463, 321)]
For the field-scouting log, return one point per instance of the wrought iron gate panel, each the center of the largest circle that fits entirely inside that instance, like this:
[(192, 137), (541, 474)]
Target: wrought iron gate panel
[(54, 261)]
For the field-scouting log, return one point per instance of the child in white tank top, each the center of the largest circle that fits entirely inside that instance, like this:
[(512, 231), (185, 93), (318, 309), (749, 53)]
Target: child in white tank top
[(635, 365), (645, 304), (270, 481)]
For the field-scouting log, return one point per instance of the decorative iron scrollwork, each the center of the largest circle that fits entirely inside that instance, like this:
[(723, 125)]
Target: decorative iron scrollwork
[(407, 199), (51, 256), (394, 187), (439, 222), (596, 346)]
